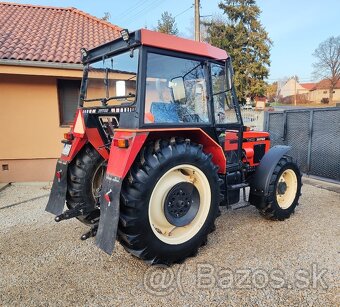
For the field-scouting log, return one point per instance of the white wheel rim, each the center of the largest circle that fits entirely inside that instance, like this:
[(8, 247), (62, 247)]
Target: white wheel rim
[(286, 199), (160, 226)]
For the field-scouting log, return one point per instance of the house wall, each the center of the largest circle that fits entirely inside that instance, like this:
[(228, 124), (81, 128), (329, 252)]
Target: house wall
[(317, 95), (291, 88), (29, 123)]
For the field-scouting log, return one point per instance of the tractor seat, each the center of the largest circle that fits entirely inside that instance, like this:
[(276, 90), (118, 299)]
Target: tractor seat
[(165, 112)]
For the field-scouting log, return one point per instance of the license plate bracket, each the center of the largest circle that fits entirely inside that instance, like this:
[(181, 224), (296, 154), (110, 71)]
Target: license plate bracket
[(66, 149)]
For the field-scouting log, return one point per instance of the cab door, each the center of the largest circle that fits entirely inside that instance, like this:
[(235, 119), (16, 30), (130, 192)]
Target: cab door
[(226, 115)]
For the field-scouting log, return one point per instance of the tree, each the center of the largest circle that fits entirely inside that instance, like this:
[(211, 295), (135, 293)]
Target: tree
[(106, 16), (272, 92), (328, 63), (246, 41), (167, 24)]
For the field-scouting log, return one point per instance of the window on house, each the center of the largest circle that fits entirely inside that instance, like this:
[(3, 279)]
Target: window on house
[(68, 93)]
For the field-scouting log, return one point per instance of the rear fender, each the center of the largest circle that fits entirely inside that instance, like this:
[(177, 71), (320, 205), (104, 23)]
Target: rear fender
[(84, 135), (198, 136), (119, 163), (260, 182)]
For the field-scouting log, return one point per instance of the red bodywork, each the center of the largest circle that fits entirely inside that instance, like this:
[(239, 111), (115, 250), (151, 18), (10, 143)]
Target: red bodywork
[(250, 139), (121, 159), (137, 137), (170, 42), (82, 135)]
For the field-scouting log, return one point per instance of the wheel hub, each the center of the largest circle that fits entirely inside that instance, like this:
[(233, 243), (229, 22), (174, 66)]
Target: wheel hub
[(181, 204), (282, 188)]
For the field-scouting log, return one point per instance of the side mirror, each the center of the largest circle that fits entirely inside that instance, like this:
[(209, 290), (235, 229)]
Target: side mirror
[(229, 74), (178, 89), (120, 88)]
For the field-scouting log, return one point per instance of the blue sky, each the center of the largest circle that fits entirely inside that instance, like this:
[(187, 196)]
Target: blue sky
[(295, 26)]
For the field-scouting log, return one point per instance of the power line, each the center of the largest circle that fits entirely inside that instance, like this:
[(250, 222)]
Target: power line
[(149, 8), (189, 8), (132, 8)]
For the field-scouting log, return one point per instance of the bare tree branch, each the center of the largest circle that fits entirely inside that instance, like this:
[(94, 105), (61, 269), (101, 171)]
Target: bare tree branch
[(328, 62)]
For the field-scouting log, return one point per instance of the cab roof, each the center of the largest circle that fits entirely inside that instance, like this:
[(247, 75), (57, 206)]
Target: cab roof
[(158, 40), (174, 43)]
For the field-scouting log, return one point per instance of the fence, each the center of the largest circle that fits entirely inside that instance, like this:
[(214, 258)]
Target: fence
[(253, 119), (313, 134)]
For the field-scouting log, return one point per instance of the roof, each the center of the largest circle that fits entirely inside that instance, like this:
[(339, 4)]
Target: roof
[(325, 85), (308, 86), (49, 34), (171, 42)]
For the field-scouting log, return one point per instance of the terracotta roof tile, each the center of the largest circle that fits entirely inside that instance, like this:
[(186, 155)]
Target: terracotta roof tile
[(325, 85), (53, 34), (308, 86)]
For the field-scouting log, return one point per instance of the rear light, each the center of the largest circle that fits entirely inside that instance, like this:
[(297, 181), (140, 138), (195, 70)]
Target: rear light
[(68, 136), (79, 125), (121, 143)]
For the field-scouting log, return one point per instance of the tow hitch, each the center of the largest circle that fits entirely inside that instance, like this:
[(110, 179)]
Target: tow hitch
[(69, 214), (79, 211), (91, 233)]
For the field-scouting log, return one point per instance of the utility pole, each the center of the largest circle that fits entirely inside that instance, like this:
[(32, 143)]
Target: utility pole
[(197, 21), (295, 90)]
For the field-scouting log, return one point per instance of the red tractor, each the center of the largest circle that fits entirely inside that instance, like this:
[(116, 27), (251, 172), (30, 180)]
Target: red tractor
[(160, 146)]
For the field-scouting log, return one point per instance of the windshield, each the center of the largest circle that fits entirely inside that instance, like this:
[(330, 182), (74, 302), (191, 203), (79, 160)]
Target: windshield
[(176, 90), (113, 79)]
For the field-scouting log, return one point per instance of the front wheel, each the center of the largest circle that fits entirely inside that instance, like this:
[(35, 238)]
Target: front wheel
[(284, 191), (169, 202)]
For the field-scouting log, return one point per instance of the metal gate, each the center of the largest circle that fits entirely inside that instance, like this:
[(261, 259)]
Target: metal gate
[(313, 134)]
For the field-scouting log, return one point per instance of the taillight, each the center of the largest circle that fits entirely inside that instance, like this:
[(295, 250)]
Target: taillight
[(121, 143), (68, 136)]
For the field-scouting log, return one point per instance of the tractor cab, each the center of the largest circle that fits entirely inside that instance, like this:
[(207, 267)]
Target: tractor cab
[(158, 143), (165, 85)]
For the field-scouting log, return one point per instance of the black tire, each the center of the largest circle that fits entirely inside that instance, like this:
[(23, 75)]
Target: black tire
[(270, 207), (82, 172), (135, 231)]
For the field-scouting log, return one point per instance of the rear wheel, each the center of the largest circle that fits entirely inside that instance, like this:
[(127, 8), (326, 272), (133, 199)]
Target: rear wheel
[(284, 191), (169, 202), (85, 177)]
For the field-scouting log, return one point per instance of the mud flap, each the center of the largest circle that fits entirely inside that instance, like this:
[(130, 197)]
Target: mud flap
[(109, 214), (56, 202)]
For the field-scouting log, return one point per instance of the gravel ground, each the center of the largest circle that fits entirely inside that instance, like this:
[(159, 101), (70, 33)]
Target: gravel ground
[(247, 261)]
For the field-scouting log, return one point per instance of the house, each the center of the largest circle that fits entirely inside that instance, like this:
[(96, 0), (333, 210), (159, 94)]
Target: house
[(292, 87), (320, 90), (40, 73)]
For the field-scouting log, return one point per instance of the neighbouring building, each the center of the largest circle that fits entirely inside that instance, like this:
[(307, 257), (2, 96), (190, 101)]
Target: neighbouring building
[(292, 87), (320, 90), (40, 73)]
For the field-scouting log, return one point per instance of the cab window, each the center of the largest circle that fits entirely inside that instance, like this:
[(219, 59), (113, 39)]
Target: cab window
[(223, 105), (176, 90)]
